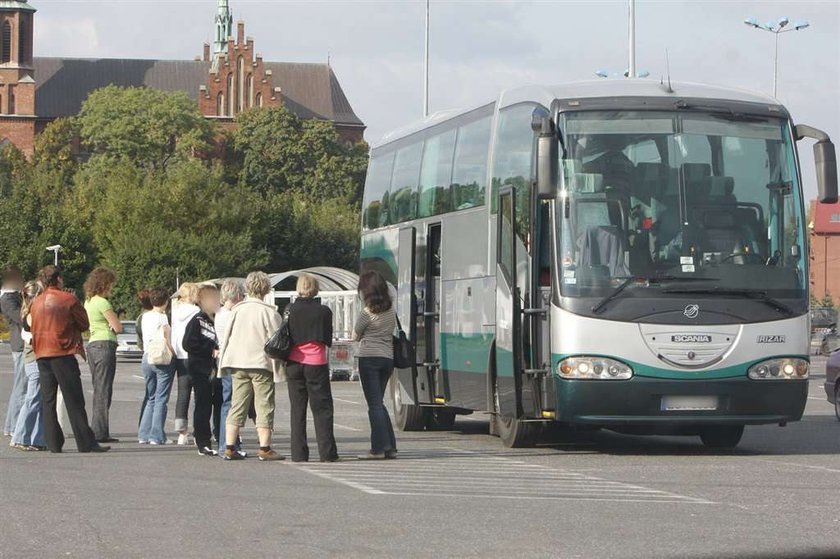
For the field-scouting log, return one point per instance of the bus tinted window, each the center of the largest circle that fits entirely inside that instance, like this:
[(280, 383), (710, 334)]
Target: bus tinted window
[(436, 173), (512, 161), (377, 185), (404, 184), (469, 174)]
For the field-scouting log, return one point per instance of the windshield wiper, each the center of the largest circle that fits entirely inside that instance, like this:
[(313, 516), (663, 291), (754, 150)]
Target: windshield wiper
[(599, 306), (756, 294)]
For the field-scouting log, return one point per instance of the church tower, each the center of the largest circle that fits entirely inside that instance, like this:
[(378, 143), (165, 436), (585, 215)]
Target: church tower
[(17, 82), (224, 28)]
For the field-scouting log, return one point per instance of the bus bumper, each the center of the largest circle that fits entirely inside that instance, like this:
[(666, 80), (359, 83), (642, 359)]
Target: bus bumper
[(640, 401)]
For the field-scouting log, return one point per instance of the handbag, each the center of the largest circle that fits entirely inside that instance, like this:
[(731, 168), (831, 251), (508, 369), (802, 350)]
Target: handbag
[(404, 352), (158, 352), (279, 345)]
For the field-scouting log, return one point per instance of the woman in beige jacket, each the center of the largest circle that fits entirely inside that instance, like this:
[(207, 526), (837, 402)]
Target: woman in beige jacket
[(243, 357)]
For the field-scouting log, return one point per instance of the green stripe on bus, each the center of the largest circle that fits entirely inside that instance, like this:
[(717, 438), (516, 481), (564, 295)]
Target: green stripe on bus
[(469, 353)]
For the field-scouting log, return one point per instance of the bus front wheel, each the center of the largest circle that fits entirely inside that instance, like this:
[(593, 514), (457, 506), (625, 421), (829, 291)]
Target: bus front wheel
[(408, 417), (726, 436), (513, 432)]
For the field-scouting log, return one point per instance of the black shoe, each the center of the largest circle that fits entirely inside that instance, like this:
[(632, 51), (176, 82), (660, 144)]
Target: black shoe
[(390, 455), (108, 440), (98, 448), (206, 451), (333, 459)]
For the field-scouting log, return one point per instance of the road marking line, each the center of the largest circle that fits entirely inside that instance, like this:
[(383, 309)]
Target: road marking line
[(347, 427), (485, 476), (821, 468), (346, 401)]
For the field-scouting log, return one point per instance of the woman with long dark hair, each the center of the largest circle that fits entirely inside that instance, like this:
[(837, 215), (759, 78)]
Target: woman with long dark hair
[(29, 432), (374, 331)]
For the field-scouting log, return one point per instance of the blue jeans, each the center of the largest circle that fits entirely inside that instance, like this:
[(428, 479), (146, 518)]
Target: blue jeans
[(374, 373), (158, 386), (18, 393), (30, 425)]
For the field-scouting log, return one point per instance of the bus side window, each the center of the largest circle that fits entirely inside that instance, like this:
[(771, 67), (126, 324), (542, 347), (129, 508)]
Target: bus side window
[(376, 190), (513, 160), (435, 174), (403, 200), (469, 172)]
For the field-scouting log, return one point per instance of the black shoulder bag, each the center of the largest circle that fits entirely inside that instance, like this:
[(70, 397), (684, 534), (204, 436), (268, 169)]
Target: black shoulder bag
[(404, 352), (279, 345)]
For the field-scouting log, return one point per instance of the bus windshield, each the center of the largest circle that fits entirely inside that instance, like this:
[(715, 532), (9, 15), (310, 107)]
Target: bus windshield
[(658, 197)]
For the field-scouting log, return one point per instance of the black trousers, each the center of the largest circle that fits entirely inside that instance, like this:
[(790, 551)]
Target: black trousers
[(63, 372), (102, 358), (182, 404), (203, 411), (218, 400), (311, 383)]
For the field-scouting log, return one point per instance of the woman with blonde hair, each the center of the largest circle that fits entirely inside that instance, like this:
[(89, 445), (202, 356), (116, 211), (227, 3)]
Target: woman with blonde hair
[(308, 371), (29, 432), (102, 348), (243, 357), (182, 312)]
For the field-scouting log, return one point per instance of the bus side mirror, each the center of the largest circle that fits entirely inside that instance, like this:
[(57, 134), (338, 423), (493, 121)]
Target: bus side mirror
[(547, 153), (825, 160)]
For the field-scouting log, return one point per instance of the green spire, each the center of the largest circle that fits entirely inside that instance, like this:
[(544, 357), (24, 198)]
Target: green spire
[(224, 27), (17, 5)]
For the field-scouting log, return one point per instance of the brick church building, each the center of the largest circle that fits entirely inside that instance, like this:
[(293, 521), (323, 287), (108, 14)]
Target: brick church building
[(228, 78)]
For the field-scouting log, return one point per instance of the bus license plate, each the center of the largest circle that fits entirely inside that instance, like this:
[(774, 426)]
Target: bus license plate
[(689, 403)]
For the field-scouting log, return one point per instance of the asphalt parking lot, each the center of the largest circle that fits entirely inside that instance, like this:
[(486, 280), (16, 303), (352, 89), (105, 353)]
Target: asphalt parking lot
[(455, 494)]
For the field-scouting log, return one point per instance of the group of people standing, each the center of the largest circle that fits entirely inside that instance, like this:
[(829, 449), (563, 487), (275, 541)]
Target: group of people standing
[(212, 342)]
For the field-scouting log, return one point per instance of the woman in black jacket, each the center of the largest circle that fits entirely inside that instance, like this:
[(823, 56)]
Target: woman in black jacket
[(308, 372), (202, 349)]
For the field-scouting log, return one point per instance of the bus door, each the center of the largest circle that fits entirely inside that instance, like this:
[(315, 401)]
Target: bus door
[(509, 349), (432, 315), (407, 311)]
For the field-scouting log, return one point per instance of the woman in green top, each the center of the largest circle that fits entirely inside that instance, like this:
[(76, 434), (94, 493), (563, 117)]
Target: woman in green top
[(102, 347)]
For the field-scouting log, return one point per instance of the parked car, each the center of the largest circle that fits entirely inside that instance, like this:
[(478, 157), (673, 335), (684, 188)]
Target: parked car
[(832, 381), (831, 342), (127, 348)]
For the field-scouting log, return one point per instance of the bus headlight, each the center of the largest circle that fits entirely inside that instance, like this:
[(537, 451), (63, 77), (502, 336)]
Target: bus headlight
[(594, 368), (779, 369)]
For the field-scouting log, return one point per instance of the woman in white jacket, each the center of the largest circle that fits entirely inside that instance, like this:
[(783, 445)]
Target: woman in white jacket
[(182, 313), (243, 357)]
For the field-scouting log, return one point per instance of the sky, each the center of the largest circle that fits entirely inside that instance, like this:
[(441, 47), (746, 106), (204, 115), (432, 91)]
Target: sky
[(479, 48)]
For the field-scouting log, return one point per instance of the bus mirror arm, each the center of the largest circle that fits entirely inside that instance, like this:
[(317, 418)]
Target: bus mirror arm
[(547, 154), (825, 160)]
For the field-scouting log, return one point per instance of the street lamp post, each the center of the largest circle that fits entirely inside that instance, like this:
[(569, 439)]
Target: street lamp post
[(55, 249), (776, 29)]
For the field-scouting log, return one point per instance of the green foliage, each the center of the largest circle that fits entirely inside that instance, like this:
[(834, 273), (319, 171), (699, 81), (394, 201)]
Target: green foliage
[(281, 153), (155, 202), (146, 126)]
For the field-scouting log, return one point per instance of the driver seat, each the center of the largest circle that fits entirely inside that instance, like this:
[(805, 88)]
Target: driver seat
[(724, 235)]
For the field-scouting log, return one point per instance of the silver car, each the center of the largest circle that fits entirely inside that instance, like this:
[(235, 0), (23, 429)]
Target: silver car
[(127, 346)]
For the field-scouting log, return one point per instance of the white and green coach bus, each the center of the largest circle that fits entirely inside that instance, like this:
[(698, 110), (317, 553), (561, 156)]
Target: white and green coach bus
[(616, 254)]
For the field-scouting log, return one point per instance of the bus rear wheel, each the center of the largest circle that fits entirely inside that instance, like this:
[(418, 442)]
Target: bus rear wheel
[(726, 436), (408, 417)]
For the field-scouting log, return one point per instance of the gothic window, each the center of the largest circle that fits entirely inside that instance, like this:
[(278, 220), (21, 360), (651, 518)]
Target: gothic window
[(220, 104), (12, 100), (258, 101), (249, 93), (1, 105), (7, 42), (240, 83), (23, 44), (231, 96)]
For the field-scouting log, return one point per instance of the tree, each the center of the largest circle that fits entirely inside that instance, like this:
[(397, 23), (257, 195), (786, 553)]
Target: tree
[(281, 153), (146, 126), (150, 226)]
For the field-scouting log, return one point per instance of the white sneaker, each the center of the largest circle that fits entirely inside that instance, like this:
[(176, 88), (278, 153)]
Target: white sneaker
[(141, 441), (167, 441), (183, 439)]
